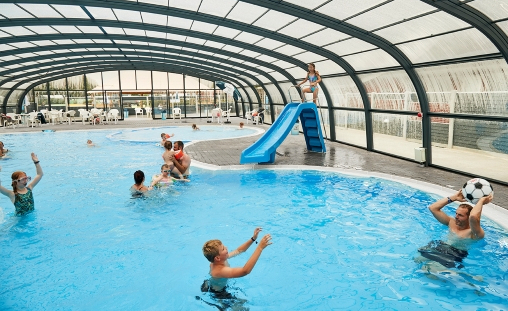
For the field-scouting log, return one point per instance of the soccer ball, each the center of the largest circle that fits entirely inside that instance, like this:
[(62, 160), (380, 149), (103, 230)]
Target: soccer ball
[(475, 189)]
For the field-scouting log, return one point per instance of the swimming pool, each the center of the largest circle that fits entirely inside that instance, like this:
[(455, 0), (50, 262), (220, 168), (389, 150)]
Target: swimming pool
[(88, 246), (184, 133)]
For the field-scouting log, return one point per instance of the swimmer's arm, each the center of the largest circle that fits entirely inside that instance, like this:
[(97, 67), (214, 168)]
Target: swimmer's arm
[(441, 216), (228, 272), (475, 216), (38, 177), (156, 180), (305, 80), (318, 78), (7, 192), (245, 246), (182, 168)]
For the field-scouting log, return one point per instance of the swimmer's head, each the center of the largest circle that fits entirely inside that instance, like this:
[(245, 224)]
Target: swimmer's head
[(194, 126), (1, 145), (168, 145), (212, 249), (139, 177), (165, 168), (178, 145), (462, 214), (311, 67), (241, 124), (19, 181), (89, 142), (163, 135)]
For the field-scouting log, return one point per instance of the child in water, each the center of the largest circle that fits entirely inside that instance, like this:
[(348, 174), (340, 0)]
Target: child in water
[(89, 143), (139, 189), (163, 179), (195, 127), (165, 137), (21, 195)]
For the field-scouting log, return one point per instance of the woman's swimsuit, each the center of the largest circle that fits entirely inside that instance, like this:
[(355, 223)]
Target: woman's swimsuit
[(312, 79), (24, 203)]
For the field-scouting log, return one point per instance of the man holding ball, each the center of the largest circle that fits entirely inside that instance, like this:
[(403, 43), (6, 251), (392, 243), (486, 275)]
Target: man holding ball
[(466, 224)]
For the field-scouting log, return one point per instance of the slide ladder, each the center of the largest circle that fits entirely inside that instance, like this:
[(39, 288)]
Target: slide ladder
[(263, 150)]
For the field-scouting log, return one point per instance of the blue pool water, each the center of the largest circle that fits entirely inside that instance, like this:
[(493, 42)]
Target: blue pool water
[(338, 242), (183, 133), (501, 143)]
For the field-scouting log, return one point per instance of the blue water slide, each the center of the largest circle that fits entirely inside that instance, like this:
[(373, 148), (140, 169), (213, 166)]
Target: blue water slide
[(263, 150)]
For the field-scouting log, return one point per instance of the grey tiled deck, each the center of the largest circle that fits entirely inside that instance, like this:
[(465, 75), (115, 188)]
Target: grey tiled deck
[(227, 152)]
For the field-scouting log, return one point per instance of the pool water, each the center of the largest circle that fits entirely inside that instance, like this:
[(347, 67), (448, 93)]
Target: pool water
[(338, 242), (184, 133)]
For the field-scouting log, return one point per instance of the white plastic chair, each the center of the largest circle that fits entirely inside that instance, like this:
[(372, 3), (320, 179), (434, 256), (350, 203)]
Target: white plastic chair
[(113, 115), (13, 119), (217, 114), (32, 118), (139, 111), (148, 112), (85, 116), (68, 116), (177, 112), (54, 115), (249, 117)]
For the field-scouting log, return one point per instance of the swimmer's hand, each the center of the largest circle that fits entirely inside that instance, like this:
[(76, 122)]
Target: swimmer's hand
[(487, 199), (34, 157), (265, 241), (458, 197), (256, 232)]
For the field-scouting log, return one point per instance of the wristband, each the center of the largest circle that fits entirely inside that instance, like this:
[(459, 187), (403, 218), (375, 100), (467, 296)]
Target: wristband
[(37, 162), (449, 200), (254, 240)]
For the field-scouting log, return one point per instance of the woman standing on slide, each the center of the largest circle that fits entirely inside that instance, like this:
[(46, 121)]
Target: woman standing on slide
[(314, 79)]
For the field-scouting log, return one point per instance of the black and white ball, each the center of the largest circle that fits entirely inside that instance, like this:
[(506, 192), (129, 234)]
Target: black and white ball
[(475, 189)]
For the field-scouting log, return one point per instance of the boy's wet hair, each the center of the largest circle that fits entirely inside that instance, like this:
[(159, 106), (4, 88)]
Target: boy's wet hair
[(211, 249), (138, 177)]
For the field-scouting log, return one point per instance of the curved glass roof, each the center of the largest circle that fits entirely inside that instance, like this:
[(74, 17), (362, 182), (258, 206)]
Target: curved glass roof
[(359, 47)]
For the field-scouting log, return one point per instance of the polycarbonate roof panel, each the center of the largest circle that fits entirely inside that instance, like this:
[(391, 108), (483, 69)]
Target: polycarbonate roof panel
[(41, 30), (226, 32), (494, 9), (278, 76), (155, 34), (350, 46), (191, 5), (308, 57), (4, 34), (157, 2), (116, 31), (105, 41), (17, 31), (283, 64), (432, 24), (269, 44), (64, 41), (328, 67), (297, 72), (300, 28), (67, 29), (89, 29), (127, 15), (325, 36), (195, 40), (389, 13), (342, 9), (231, 48), (250, 53), (246, 12), (40, 10), (289, 50), (84, 41), (101, 13), (308, 4), (214, 44), (203, 27), (464, 43), (263, 79), (371, 60), (171, 36), (179, 22), (274, 20), (157, 19), (10, 10), (43, 42), (503, 26), (22, 44), (248, 37), (216, 8), (134, 32), (266, 58), (70, 11)]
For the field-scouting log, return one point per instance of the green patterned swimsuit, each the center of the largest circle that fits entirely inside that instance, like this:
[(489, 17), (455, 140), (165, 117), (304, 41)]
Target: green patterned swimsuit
[(24, 203)]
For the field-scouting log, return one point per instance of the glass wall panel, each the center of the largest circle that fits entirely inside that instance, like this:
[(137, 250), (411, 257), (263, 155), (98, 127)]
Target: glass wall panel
[(191, 83), (160, 101), (176, 100), (397, 134), (40, 87), (192, 102), (12, 101), (41, 100), (206, 102), (94, 81), (132, 99), (77, 100), (113, 100), (110, 80), (391, 91), (96, 100), (144, 79), (343, 92), (128, 79), (252, 95), (464, 43), (473, 88), (57, 85), (483, 145), (160, 80), (175, 81), (350, 127), (274, 93), (58, 100), (76, 82), (286, 87)]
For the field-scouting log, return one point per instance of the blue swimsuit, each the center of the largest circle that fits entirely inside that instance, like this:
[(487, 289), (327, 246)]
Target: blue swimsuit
[(312, 79), (24, 203)]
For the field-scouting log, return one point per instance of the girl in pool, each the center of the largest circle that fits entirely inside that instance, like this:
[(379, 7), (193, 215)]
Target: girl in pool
[(21, 195), (314, 79), (138, 189), (195, 127)]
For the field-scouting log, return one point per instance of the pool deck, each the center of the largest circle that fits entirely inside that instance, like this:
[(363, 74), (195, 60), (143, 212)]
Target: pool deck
[(226, 153)]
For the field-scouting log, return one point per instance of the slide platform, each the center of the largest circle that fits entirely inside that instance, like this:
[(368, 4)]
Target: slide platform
[(263, 150)]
